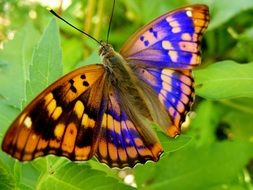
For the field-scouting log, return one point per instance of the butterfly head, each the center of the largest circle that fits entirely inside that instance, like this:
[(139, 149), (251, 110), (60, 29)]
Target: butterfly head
[(106, 50)]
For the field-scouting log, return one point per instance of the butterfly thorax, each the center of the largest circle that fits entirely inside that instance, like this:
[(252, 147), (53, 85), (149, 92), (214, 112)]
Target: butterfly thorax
[(110, 58), (116, 66)]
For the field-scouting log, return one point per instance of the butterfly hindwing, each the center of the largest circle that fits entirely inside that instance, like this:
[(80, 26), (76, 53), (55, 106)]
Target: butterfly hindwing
[(172, 40), (123, 142), (174, 89), (63, 120)]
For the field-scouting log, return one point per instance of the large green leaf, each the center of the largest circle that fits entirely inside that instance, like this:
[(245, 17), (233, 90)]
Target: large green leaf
[(15, 60), (46, 63), (225, 79), (197, 168), (7, 114), (79, 176)]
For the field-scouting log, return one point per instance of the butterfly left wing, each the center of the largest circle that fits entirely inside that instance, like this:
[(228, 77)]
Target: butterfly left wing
[(172, 40), (64, 119)]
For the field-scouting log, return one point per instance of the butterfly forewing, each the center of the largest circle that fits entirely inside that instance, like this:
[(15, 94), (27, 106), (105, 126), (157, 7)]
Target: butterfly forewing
[(63, 120), (172, 40)]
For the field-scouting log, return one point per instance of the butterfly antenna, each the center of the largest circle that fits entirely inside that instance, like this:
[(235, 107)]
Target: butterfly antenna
[(110, 22), (55, 14)]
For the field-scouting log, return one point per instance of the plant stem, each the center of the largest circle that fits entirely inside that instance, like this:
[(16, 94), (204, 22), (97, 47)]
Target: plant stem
[(89, 15), (100, 11)]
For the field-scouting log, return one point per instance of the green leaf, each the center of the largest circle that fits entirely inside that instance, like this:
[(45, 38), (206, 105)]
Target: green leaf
[(7, 114), (46, 63), (196, 168), (6, 180), (79, 176), (2, 64), (15, 59), (225, 79), (224, 10), (243, 105), (244, 47), (173, 144), (239, 119), (228, 186), (29, 175), (72, 53), (92, 59), (207, 116)]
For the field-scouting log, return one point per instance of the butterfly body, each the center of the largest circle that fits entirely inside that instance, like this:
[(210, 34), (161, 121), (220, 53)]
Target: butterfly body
[(126, 93), (106, 109)]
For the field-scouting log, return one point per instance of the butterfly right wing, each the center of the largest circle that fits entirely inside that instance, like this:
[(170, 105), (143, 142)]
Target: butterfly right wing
[(64, 120)]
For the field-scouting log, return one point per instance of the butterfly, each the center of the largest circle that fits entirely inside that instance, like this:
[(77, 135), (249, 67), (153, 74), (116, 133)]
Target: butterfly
[(106, 110)]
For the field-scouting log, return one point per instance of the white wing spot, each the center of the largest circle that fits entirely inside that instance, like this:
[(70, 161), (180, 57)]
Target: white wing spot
[(28, 122), (173, 56), (167, 45), (176, 30), (189, 13)]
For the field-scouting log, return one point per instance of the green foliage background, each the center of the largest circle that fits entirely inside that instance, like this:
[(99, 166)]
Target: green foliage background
[(214, 152)]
